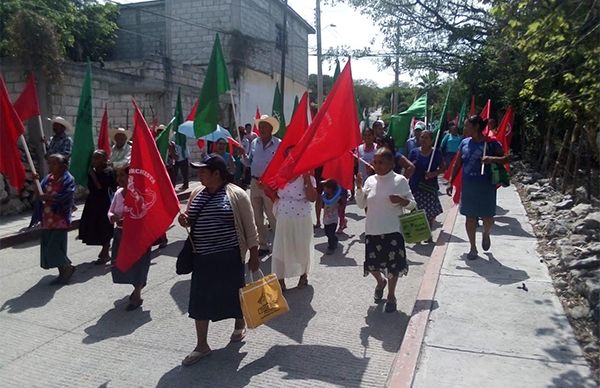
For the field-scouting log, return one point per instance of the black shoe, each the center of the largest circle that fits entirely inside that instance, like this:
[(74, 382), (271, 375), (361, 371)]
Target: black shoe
[(263, 252), (390, 307)]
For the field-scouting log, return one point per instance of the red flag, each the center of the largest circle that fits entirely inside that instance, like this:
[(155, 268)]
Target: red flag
[(341, 169), (201, 143), (295, 130), (11, 128), (472, 110), (504, 133), (457, 180), (192, 114), (256, 117), (233, 144), (26, 105), (151, 202), (103, 138), (332, 134), (485, 114)]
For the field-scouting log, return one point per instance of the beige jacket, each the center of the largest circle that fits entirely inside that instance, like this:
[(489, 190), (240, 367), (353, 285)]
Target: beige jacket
[(243, 216)]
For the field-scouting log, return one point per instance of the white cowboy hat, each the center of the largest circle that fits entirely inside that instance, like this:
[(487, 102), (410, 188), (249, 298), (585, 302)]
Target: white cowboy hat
[(272, 121), (62, 121), (115, 131)]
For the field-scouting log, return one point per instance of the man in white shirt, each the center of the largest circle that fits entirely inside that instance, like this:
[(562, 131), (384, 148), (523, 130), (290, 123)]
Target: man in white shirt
[(120, 154), (262, 150)]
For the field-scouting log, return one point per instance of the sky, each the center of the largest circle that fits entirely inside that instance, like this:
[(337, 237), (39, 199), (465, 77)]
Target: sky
[(341, 26)]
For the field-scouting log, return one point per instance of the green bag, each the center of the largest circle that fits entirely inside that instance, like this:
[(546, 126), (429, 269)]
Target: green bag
[(500, 175), (415, 227)]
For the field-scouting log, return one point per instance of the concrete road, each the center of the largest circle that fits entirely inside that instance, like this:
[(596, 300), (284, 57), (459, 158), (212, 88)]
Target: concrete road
[(79, 335)]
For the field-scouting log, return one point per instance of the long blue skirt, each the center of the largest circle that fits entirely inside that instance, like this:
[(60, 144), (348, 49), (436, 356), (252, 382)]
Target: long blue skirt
[(136, 275), (478, 198)]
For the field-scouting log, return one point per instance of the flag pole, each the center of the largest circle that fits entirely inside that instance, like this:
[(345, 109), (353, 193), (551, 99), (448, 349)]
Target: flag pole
[(437, 136), (42, 133), (235, 118), (484, 152), (30, 161)]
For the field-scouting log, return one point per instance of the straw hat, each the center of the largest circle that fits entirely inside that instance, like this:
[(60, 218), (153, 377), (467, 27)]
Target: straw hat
[(62, 121), (115, 131), (272, 121)]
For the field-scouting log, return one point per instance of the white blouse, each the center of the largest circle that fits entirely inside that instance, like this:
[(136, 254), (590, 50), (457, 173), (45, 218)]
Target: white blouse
[(382, 214), (292, 199), (117, 205)]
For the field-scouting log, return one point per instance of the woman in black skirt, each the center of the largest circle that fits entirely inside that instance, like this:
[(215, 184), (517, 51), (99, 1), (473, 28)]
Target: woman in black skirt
[(222, 231), (95, 228), (385, 194)]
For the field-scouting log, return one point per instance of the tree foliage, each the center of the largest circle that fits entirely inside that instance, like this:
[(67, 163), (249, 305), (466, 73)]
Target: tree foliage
[(40, 33)]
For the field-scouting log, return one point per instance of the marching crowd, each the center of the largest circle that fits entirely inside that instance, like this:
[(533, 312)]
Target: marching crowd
[(232, 214)]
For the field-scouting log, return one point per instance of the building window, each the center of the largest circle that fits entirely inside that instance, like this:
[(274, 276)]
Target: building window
[(281, 38)]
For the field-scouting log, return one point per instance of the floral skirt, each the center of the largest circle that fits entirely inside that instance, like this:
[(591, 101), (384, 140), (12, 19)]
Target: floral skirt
[(385, 253), (430, 202)]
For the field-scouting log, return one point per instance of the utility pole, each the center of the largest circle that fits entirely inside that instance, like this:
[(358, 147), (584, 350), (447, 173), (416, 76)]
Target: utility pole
[(284, 47), (319, 55)]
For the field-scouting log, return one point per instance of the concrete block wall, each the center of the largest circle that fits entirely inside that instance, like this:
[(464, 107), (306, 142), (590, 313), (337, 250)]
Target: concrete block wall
[(143, 30)]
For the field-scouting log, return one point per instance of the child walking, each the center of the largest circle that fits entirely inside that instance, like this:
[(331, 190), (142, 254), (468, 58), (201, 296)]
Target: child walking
[(332, 198)]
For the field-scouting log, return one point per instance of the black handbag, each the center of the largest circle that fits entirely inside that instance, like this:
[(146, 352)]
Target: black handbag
[(185, 258)]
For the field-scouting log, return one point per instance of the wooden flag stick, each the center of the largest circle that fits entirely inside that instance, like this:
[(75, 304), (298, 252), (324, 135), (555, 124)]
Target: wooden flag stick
[(42, 133), (484, 152), (437, 136), (235, 118), (362, 160), (30, 161)]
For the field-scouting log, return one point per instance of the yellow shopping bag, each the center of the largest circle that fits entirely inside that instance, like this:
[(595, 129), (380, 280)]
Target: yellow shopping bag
[(262, 300)]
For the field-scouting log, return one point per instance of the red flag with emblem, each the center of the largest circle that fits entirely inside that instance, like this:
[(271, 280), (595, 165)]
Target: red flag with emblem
[(103, 138), (504, 134), (26, 105), (11, 129), (150, 200)]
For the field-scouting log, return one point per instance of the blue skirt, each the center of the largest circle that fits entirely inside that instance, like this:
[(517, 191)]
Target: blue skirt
[(478, 198), (53, 248), (136, 275)]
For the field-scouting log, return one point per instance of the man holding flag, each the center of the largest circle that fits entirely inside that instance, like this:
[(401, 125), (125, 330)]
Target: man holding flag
[(262, 150)]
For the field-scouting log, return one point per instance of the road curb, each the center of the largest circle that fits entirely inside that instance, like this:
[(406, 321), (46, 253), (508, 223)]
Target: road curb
[(29, 235), (403, 370)]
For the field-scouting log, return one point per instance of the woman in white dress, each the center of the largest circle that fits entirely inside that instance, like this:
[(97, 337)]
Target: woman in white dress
[(293, 245)]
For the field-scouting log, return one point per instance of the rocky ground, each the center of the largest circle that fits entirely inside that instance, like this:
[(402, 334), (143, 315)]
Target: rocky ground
[(568, 228)]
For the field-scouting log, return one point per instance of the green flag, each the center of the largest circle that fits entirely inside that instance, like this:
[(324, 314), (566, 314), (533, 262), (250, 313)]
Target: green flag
[(162, 140), (400, 123), (180, 138), (216, 82), (336, 72), (83, 140), (462, 116), (296, 102), (442, 125), (278, 111)]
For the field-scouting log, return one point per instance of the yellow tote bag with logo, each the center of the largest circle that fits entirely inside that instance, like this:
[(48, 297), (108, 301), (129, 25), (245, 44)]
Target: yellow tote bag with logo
[(262, 300)]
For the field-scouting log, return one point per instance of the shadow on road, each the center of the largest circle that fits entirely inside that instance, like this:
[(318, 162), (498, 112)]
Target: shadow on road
[(294, 325), (328, 364), (388, 328), (492, 270), (509, 226), (37, 296), (116, 323), (180, 292), (172, 249), (219, 369)]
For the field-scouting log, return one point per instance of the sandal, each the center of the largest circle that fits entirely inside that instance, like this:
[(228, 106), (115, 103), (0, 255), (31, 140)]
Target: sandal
[(134, 304), (238, 335), (472, 255), (379, 292), (65, 279), (195, 356), (303, 282), (390, 307), (486, 242), (102, 260)]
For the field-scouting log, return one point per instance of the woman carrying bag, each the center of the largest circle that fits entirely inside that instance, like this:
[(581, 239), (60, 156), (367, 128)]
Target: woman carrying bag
[(386, 194), (222, 231)]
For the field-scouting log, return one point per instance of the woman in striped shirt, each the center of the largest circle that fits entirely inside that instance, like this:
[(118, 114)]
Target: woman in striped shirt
[(222, 231)]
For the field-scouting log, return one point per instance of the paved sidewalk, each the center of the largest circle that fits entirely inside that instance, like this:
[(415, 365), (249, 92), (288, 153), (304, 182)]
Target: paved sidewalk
[(485, 331)]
